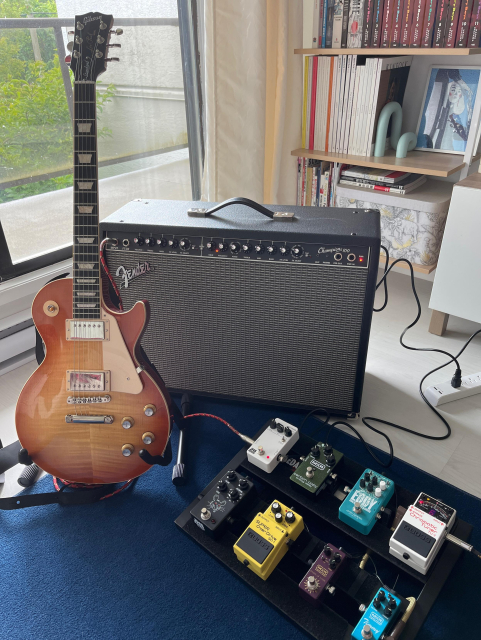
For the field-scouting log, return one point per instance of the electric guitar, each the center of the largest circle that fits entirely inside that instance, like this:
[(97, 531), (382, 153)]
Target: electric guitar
[(93, 403)]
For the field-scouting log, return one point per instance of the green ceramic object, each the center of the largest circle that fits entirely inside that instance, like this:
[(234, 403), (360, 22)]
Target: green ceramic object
[(401, 143)]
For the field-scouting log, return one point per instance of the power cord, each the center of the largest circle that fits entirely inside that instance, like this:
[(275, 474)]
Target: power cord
[(456, 381)]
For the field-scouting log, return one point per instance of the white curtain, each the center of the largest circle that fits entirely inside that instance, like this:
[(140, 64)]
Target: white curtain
[(253, 99)]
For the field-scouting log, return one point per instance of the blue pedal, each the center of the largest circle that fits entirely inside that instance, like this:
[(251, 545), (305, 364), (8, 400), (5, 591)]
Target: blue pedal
[(379, 617), (369, 496)]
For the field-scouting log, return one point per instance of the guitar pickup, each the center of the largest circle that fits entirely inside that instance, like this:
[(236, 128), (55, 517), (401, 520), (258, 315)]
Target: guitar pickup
[(89, 419), (87, 329), (88, 380)]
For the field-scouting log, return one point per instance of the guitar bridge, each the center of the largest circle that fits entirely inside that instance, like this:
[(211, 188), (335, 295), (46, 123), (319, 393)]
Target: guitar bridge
[(89, 419)]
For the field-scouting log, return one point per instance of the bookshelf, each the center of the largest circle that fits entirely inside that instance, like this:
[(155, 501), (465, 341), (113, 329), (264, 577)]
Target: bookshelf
[(391, 52)]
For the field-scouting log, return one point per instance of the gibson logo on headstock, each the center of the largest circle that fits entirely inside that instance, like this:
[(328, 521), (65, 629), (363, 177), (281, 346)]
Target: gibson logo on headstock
[(130, 274)]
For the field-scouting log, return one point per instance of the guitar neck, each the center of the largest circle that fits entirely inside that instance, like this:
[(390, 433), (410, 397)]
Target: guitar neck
[(86, 263)]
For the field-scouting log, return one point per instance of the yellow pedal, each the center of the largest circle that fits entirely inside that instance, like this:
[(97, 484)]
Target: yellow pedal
[(266, 540)]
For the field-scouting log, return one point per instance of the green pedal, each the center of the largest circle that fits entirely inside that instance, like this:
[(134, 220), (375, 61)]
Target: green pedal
[(314, 472)]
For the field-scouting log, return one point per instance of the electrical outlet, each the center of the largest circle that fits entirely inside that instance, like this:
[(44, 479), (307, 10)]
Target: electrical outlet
[(444, 392)]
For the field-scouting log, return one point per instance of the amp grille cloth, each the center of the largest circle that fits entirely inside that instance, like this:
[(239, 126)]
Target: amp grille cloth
[(250, 329)]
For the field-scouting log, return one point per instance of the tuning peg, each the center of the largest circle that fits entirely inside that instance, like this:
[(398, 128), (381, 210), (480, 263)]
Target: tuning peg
[(68, 59), (112, 59), (114, 45), (70, 46), (117, 32)]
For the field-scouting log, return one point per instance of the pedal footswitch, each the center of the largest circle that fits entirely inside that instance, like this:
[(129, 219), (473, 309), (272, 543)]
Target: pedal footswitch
[(316, 469), (211, 513), (266, 540), (366, 500), (322, 575), (276, 440), (379, 617), (421, 532)]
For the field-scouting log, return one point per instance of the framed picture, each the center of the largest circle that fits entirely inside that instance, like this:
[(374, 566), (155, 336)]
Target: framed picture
[(448, 104)]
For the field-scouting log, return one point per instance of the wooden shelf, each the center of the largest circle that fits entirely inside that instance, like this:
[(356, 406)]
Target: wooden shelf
[(390, 52), (428, 163), (420, 268)]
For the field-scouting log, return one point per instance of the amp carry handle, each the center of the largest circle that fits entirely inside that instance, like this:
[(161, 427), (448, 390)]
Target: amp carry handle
[(202, 212)]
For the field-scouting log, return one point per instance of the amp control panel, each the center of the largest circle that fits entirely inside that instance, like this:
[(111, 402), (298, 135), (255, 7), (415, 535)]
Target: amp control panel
[(244, 249)]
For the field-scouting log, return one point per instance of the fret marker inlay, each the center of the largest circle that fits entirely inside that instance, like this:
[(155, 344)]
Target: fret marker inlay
[(85, 240), (84, 127), (85, 305), (85, 266), (86, 280), (86, 294), (82, 209), (85, 185), (84, 158)]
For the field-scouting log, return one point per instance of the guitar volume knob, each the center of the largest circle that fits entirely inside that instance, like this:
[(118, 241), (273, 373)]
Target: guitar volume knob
[(148, 438), (127, 450), (149, 410), (127, 422)]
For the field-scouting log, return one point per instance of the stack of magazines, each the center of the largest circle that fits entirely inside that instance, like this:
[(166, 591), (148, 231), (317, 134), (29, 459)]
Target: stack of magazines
[(343, 97), (398, 182)]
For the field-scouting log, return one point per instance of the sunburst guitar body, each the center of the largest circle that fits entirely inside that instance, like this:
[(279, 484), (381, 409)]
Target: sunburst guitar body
[(93, 403)]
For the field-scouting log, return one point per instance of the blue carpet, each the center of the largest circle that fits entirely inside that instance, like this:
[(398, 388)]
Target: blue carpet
[(121, 570)]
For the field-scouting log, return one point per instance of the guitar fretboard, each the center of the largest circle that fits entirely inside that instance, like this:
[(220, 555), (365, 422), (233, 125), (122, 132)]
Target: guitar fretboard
[(86, 263)]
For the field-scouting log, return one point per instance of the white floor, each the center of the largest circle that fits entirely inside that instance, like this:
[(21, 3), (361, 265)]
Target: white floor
[(390, 392)]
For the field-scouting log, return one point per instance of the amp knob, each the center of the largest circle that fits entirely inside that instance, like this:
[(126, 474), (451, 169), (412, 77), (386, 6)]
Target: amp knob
[(162, 242), (284, 251), (246, 248), (139, 240), (259, 248), (223, 246), (271, 249), (211, 245), (184, 244), (173, 244), (150, 242), (297, 251), (234, 247)]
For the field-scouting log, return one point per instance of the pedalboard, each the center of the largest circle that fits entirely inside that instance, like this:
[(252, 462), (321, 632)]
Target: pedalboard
[(272, 445), (267, 539), (220, 503), (317, 468), (321, 577), (379, 617), (363, 505), (421, 532)]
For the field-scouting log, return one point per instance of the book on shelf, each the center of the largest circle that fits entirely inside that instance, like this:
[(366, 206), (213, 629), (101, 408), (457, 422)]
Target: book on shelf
[(475, 25), (463, 28), (316, 182), (385, 176), (386, 32), (337, 24), (417, 23), (377, 24), (440, 24), (315, 24), (429, 23), (452, 23), (345, 23), (401, 188), (406, 23), (368, 23), (397, 23), (355, 26)]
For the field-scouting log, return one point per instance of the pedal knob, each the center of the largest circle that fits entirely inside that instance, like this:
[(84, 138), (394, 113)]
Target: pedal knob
[(387, 612), (337, 557), (290, 517), (127, 450), (357, 507), (367, 476), (376, 603), (382, 596), (309, 472), (148, 438), (243, 484), (327, 449), (362, 483), (327, 551), (233, 494), (149, 410), (127, 422), (276, 507), (280, 428), (315, 451), (205, 513), (369, 486), (231, 476), (374, 480), (221, 486), (331, 460), (392, 603), (332, 563), (312, 583), (366, 632), (382, 484), (378, 492), (278, 518), (288, 432)]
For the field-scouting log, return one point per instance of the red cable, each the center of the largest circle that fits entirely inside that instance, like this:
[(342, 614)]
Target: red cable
[(107, 272), (210, 415)]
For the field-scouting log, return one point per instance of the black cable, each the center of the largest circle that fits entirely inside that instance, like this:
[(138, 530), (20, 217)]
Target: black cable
[(385, 281), (323, 422), (366, 445)]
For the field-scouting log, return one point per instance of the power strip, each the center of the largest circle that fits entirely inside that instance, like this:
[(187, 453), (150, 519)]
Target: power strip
[(444, 392)]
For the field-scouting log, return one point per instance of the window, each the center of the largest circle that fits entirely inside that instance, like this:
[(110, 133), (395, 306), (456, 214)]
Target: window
[(148, 148)]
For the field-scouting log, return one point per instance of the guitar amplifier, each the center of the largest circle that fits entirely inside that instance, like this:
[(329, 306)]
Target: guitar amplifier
[(248, 307)]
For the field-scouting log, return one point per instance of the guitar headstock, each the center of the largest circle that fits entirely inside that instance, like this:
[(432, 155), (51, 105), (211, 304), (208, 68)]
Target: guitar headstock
[(90, 46)]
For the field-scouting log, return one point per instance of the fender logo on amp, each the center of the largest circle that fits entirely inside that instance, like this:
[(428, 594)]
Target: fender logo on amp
[(129, 274)]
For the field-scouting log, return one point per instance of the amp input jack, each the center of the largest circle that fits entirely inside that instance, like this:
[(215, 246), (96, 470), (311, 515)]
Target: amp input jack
[(126, 242), (351, 257), (338, 257)]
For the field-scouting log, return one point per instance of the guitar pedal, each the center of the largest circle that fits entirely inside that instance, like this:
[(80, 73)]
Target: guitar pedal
[(363, 506), (379, 617), (322, 575), (266, 540), (211, 513), (313, 473), (277, 439), (421, 532)]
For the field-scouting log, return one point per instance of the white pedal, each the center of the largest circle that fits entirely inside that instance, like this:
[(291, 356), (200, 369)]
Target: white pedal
[(421, 532), (444, 392), (275, 441)]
